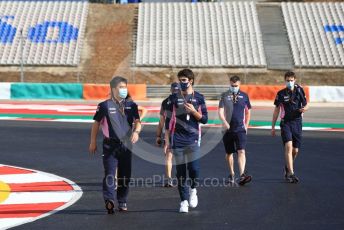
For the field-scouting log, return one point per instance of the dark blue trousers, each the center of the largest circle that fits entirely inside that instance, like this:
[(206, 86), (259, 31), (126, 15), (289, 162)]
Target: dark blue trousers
[(187, 159), (116, 157)]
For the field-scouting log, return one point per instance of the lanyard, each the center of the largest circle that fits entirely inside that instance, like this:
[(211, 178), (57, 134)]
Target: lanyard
[(121, 105), (192, 98)]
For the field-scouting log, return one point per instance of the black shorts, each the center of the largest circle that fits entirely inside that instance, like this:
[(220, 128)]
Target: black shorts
[(234, 141), (292, 131)]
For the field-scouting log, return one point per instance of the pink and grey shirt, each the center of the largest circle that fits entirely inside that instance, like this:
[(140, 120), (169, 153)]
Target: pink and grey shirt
[(116, 119)]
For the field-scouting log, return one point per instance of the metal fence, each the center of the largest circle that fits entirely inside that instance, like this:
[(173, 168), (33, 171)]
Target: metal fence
[(209, 91)]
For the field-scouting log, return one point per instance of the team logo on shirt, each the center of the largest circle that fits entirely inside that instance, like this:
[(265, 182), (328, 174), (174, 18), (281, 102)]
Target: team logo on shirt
[(112, 110)]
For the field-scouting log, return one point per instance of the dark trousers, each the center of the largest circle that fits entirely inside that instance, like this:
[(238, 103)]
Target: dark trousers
[(187, 160), (116, 157)]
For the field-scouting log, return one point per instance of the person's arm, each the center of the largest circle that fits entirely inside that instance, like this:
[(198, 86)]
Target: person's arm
[(304, 109), (136, 131), (305, 105), (137, 124), (274, 119), (143, 112), (169, 114), (247, 113), (98, 116), (201, 116), (159, 130), (190, 109), (247, 118), (221, 114), (94, 133)]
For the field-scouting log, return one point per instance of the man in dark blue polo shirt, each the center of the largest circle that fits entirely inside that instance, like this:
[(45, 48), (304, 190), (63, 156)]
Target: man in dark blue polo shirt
[(292, 103), (168, 155), (183, 134), (234, 112), (116, 116)]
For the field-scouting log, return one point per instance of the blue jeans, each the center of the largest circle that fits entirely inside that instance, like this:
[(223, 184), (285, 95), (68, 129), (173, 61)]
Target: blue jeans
[(187, 158), (116, 157)]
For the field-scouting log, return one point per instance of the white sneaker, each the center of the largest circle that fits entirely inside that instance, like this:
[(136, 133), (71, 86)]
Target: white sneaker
[(184, 206), (193, 199)]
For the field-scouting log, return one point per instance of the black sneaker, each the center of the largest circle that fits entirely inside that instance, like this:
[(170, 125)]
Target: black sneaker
[(292, 179), (109, 205), (122, 207), (169, 183), (244, 178)]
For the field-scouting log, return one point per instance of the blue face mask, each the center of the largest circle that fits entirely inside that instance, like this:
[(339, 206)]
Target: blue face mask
[(123, 93), (184, 85), (234, 89), (290, 84)]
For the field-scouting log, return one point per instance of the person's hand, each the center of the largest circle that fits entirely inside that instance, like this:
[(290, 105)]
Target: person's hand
[(158, 141), (189, 108), (302, 110), (273, 132), (134, 137), (93, 147), (226, 126)]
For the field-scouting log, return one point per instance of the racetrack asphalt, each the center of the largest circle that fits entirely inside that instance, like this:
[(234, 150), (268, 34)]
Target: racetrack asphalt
[(268, 202)]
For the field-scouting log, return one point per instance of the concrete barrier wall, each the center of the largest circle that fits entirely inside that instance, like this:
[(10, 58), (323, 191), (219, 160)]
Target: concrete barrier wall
[(5, 90), (75, 91), (46, 91), (326, 93), (64, 91)]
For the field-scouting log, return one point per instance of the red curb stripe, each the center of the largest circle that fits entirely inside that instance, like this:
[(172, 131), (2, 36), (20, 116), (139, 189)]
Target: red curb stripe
[(40, 186), (27, 210), (4, 170)]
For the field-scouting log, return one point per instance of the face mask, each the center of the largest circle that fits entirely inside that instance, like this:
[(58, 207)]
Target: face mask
[(234, 89), (123, 93), (184, 86), (290, 84)]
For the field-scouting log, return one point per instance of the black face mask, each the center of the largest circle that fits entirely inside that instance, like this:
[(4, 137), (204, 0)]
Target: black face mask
[(184, 86)]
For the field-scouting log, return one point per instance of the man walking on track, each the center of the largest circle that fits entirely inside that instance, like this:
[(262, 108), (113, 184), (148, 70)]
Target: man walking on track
[(185, 113), (120, 122), (292, 103), (235, 112)]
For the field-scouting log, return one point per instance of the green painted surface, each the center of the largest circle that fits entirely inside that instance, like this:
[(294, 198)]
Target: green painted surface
[(152, 120), (46, 91)]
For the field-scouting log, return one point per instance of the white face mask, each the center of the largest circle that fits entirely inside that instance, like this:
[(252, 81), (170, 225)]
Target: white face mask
[(123, 93), (234, 89), (290, 84)]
